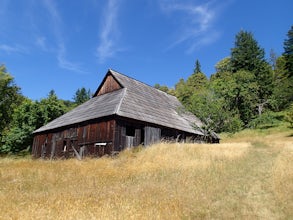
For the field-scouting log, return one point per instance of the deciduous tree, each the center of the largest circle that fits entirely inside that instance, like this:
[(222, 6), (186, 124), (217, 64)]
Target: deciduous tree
[(27, 117), (10, 97)]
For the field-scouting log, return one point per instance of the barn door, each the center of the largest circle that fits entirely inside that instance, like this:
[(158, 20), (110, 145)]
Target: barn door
[(152, 135), (129, 141), (129, 136)]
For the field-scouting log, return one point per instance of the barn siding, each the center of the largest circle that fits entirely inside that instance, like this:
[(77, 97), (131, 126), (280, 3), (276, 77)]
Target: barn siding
[(109, 85), (82, 138), (119, 133), (131, 139), (152, 135)]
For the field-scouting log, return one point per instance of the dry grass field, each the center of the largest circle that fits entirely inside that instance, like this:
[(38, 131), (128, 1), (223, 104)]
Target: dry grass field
[(247, 176)]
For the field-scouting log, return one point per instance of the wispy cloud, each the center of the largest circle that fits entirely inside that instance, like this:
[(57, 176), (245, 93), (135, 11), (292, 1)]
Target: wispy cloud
[(66, 64), (13, 49), (41, 42), (109, 33), (57, 24), (196, 23), (55, 18)]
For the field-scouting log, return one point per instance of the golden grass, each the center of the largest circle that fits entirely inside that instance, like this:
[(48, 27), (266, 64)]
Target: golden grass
[(242, 178), (283, 178)]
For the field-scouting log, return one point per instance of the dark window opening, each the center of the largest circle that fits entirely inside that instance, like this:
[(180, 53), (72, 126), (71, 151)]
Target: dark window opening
[(130, 131)]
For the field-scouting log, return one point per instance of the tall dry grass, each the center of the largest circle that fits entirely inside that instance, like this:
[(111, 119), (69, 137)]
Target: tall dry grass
[(244, 179)]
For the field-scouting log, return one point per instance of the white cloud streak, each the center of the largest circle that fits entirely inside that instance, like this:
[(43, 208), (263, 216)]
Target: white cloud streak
[(13, 49), (107, 47), (196, 23), (65, 64), (56, 20)]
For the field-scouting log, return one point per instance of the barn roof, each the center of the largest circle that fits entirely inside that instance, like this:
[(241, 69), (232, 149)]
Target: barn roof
[(135, 100)]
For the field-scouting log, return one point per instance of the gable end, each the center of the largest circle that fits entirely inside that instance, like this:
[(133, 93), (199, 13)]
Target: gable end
[(109, 84)]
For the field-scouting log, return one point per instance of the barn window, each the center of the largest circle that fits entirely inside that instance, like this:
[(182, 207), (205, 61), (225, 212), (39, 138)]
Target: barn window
[(130, 131)]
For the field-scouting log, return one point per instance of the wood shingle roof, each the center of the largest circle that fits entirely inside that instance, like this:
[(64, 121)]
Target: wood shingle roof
[(135, 100)]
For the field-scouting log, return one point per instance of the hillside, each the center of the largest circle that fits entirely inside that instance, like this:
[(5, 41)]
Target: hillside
[(248, 176)]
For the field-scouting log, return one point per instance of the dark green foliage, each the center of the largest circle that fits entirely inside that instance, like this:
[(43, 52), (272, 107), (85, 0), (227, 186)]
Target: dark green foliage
[(52, 107), (246, 54), (26, 118), (10, 97), (194, 83), (288, 67), (223, 66), (289, 116), (69, 104), (239, 92), (244, 89), (266, 120), (249, 56), (183, 92), (165, 89), (197, 68), (197, 81), (282, 94), (213, 112), (288, 52), (81, 96)]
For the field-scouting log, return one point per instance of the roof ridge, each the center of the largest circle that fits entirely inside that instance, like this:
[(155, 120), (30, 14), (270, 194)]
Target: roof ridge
[(152, 87)]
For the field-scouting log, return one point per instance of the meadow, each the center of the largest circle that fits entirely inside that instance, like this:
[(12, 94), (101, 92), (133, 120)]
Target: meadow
[(248, 176)]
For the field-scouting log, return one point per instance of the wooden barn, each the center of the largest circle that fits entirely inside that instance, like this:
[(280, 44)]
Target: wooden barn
[(122, 113)]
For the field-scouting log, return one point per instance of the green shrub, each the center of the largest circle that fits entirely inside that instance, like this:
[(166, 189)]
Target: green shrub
[(289, 116), (266, 120)]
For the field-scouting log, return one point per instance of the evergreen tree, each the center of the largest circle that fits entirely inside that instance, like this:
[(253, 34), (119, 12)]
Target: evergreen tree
[(197, 80), (288, 52), (197, 68), (283, 92), (81, 96), (288, 59), (248, 56)]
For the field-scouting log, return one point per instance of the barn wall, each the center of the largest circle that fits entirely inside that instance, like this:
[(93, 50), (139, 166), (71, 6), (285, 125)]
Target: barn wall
[(128, 133), (148, 134), (152, 135), (109, 85), (86, 139)]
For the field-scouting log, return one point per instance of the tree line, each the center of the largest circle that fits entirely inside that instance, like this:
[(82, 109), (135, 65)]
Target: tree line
[(20, 116), (245, 91)]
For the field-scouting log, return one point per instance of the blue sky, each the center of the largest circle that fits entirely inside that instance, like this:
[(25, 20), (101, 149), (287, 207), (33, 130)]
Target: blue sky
[(65, 45)]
